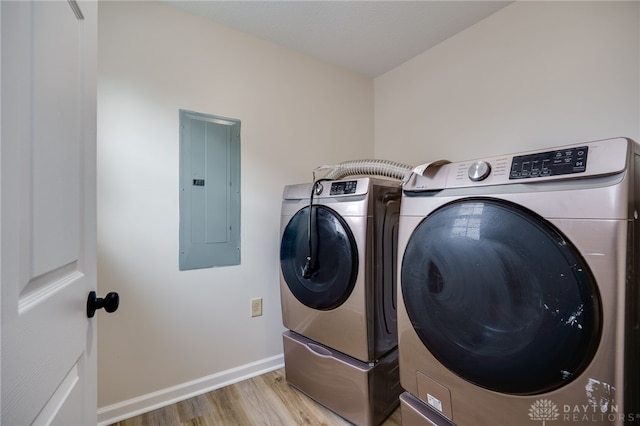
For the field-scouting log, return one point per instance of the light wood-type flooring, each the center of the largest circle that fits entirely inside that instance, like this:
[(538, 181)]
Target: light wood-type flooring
[(262, 400)]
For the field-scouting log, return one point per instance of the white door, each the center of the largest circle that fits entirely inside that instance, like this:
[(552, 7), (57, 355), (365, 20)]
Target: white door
[(48, 215)]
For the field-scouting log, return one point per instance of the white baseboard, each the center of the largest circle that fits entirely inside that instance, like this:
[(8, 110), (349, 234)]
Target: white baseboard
[(151, 401)]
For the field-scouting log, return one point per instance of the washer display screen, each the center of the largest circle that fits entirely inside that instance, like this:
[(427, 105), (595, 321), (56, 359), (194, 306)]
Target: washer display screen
[(500, 297), (550, 163), (343, 188)]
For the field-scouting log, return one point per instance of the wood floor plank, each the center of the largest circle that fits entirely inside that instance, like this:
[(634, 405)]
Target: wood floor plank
[(261, 405), (200, 421), (227, 407), (303, 410), (263, 400), (161, 416), (192, 408)]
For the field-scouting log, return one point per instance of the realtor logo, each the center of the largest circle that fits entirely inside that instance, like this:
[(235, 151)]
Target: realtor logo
[(544, 410)]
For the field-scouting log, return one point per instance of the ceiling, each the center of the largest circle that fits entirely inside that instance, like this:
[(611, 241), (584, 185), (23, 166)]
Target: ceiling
[(369, 37)]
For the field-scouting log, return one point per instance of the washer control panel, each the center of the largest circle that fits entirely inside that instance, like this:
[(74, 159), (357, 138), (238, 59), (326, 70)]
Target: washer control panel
[(571, 162), (344, 187), (549, 163), (479, 170)]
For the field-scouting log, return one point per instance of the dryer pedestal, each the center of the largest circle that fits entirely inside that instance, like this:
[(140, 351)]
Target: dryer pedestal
[(361, 393)]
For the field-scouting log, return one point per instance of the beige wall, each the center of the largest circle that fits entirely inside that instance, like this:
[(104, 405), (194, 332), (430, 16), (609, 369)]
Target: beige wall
[(174, 327), (532, 75)]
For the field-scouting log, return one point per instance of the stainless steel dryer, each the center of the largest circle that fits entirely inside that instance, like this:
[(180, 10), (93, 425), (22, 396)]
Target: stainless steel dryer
[(519, 289), (337, 287)]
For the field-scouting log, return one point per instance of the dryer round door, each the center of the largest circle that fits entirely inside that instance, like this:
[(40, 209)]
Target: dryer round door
[(500, 297), (320, 271)]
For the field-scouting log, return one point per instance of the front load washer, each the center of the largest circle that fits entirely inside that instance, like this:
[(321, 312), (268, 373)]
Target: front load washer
[(518, 299), (338, 259), (337, 268)]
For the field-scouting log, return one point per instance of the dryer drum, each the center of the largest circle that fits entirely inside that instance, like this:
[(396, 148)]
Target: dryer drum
[(500, 297), (335, 258)]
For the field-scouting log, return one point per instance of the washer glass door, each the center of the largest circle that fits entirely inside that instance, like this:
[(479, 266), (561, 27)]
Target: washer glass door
[(333, 268), (500, 297)]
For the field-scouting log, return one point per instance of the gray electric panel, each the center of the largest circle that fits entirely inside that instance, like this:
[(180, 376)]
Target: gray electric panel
[(209, 191)]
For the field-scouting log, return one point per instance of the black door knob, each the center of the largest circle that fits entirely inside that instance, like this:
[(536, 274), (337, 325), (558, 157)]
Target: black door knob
[(109, 303)]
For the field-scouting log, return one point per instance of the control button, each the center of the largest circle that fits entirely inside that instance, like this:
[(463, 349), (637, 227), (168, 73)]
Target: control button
[(479, 171), (318, 188)]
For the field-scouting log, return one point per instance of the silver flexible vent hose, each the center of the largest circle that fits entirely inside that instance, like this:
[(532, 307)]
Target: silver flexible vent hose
[(391, 169)]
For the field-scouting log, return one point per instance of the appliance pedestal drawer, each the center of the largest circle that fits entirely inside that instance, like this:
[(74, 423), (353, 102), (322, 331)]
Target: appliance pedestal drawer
[(362, 393)]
